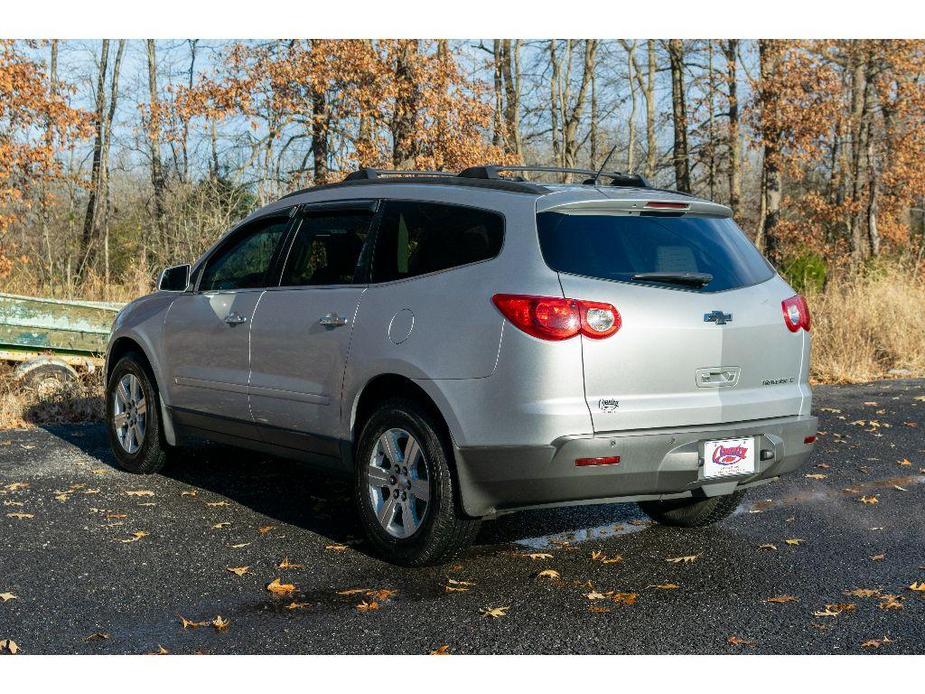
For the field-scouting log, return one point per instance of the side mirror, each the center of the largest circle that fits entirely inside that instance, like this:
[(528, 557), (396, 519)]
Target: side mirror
[(174, 279)]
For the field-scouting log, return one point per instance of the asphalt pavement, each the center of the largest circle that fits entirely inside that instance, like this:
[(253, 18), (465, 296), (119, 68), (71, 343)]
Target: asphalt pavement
[(95, 560)]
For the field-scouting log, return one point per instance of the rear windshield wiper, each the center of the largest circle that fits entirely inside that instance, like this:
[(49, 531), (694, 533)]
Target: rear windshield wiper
[(695, 279)]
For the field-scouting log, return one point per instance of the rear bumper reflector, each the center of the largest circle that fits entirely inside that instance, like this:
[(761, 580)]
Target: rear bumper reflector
[(810, 439), (610, 460)]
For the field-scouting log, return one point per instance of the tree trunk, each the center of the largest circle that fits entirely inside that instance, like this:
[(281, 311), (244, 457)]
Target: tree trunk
[(498, 135), (404, 119), (570, 126), (711, 123), (771, 179), (555, 68), (320, 145), (730, 49), (510, 72), (682, 171), (92, 213), (651, 147), (633, 71), (154, 128), (593, 135)]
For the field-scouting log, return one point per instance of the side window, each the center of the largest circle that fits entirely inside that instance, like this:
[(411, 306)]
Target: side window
[(245, 261), (419, 237), (326, 249)]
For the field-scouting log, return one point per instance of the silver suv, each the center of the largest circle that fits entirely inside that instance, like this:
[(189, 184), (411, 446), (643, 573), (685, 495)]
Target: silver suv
[(469, 345)]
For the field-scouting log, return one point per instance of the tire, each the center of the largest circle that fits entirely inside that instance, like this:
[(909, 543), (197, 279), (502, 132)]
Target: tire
[(414, 534), (692, 513), (151, 454), (46, 376)]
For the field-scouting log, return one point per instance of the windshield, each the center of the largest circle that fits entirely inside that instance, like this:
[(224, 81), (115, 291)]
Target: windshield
[(671, 250)]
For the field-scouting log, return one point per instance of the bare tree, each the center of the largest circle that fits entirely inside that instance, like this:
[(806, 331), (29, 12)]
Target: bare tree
[(681, 156), (730, 51), (154, 142)]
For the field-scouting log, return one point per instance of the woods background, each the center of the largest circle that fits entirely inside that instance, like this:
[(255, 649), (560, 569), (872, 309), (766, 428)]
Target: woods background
[(119, 157)]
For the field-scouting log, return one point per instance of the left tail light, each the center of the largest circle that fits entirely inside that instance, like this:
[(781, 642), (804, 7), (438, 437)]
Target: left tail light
[(557, 318), (796, 313)]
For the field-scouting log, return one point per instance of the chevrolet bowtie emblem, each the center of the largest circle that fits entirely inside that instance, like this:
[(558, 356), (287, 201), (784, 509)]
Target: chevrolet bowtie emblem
[(717, 317)]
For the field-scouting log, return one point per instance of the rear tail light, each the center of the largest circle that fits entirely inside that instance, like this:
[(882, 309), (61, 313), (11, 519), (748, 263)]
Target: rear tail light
[(796, 313), (809, 439), (555, 318)]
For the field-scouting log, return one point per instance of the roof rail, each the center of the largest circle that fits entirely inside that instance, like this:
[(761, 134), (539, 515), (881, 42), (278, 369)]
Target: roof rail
[(367, 174), (616, 178)]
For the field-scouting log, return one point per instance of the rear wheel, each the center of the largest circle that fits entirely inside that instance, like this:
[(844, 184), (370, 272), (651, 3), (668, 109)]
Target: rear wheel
[(692, 513), (404, 492), (133, 418)]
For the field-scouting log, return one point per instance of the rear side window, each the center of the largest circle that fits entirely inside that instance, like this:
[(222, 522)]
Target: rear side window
[(416, 238), (326, 249), (623, 247)]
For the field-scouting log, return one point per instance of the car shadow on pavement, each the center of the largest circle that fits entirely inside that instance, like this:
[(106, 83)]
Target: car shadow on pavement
[(291, 492)]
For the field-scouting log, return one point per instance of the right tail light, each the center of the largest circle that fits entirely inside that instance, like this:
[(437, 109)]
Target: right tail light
[(796, 313)]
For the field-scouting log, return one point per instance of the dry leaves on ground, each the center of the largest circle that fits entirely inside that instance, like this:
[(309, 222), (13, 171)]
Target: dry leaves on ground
[(278, 588), (869, 499), (597, 555), (190, 624), (97, 636), (835, 609), (665, 586), (768, 545), (876, 643), (337, 547), (863, 592), (238, 570), (539, 555), (795, 541), (220, 623), (20, 516), (441, 650), (739, 641), (454, 586), (367, 606), (494, 612), (551, 574), (917, 585), (781, 599), (689, 559), (7, 596), (9, 646), (136, 536), (139, 492), (286, 564)]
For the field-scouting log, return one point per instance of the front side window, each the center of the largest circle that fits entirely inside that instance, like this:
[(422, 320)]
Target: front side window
[(244, 263), (416, 238), (327, 249)]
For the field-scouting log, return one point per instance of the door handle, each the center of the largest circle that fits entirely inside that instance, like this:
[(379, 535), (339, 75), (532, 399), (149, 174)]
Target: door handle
[(332, 320), (235, 318)]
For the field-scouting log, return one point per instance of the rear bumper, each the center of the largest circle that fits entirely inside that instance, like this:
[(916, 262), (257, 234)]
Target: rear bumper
[(655, 464)]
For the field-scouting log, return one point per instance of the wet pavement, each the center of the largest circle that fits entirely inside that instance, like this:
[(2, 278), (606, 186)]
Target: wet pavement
[(100, 561)]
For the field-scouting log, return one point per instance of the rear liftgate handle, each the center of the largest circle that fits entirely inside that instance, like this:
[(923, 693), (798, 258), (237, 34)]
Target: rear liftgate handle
[(332, 320), (235, 318)]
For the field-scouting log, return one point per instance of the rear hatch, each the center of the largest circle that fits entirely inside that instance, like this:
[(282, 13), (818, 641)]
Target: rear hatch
[(703, 341)]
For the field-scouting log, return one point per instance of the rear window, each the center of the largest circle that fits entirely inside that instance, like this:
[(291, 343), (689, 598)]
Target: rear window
[(622, 247)]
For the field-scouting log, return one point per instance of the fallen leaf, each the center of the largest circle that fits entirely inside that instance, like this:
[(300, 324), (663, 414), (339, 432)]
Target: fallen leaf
[(551, 574), (238, 570), (539, 555), (286, 564), (337, 547), (863, 592), (190, 624), (441, 650), (220, 623), (918, 585), (297, 605), (113, 516), (738, 641), (20, 515), (877, 557), (218, 526), (869, 500), (876, 643), (382, 594), (594, 595), (835, 609), (781, 599), (264, 529), (16, 486), (278, 588), (239, 545), (160, 651), (815, 476), (599, 608), (899, 489), (904, 462), (7, 596), (136, 536), (767, 546), (367, 606), (495, 612), (686, 560), (189, 493), (795, 541), (665, 586), (98, 636), (823, 466), (891, 602), (353, 591), (217, 503), (139, 492), (454, 586), (9, 646), (624, 598)]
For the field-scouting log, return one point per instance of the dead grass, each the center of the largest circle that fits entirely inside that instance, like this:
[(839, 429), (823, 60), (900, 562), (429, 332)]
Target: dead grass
[(866, 326), (67, 403)]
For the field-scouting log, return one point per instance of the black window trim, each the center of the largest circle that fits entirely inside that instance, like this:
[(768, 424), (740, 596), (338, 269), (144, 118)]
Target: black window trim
[(231, 237), (373, 205), (375, 241)]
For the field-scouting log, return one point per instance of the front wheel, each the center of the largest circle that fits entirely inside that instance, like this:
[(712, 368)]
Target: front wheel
[(404, 492), (692, 513), (133, 418)]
